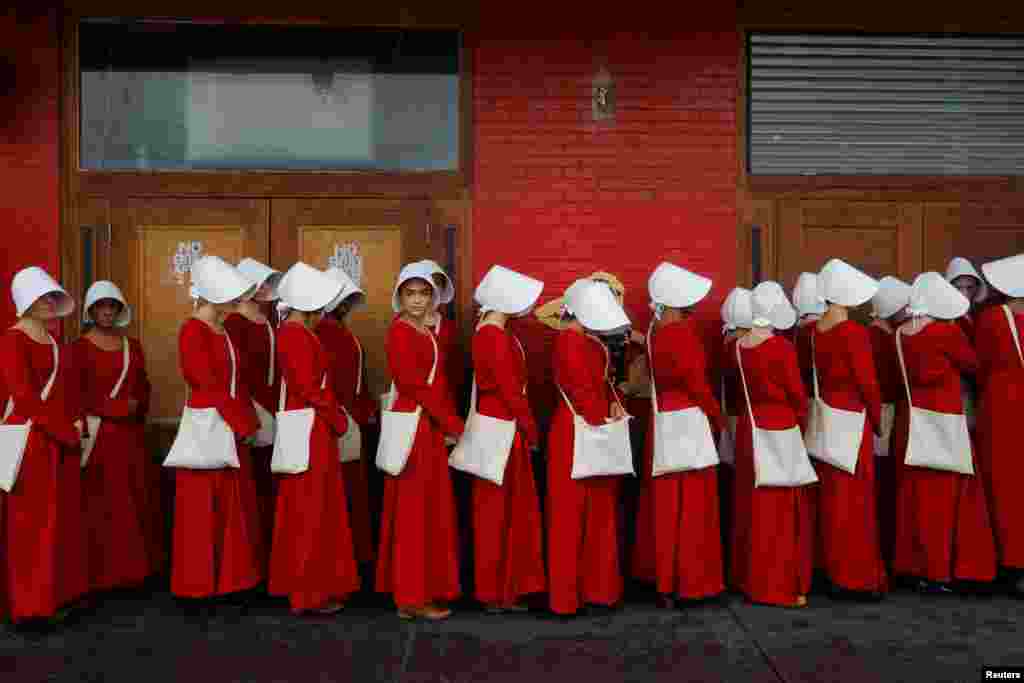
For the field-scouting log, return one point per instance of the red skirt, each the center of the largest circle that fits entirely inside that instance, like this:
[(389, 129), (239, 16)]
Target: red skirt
[(357, 490), (848, 522), (218, 537), (680, 522), (312, 561), (943, 531), (43, 564), (124, 544), (582, 517), (507, 538), (1002, 468), (773, 537), (417, 562)]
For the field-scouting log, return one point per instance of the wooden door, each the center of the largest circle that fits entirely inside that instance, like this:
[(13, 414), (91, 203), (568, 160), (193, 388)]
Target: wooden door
[(881, 238), (979, 231), (370, 238), (152, 244)]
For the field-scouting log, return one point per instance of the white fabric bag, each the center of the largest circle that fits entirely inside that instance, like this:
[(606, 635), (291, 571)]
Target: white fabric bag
[(682, 438), (600, 451), (833, 434), (14, 438), (204, 440), (291, 439), (350, 444), (265, 436), (486, 444), (937, 441), (780, 458), (888, 421), (398, 430), (94, 421), (727, 440)]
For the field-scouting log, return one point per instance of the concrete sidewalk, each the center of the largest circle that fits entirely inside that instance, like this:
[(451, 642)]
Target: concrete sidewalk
[(147, 639)]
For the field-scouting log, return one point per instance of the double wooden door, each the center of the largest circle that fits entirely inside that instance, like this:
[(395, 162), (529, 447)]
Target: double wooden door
[(147, 246)]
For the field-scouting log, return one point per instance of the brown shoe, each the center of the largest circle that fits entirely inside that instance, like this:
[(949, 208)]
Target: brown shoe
[(429, 612)]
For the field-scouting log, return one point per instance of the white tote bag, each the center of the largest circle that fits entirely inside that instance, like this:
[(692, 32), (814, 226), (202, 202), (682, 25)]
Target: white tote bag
[(265, 436), (14, 438), (398, 430), (682, 438), (888, 420), (292, 436), (204, 440), (727, 439), (780, 457), (937, 441), (94, 421), (486, 444), (600, 451), (833, 434), (350, 444)]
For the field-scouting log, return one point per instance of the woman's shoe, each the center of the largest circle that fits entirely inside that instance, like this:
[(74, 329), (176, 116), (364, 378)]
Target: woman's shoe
[(429, 612), (927, 587), (666, 601)]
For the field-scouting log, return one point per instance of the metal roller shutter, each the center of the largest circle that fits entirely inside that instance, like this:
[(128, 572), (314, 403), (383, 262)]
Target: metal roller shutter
[(885, 105)]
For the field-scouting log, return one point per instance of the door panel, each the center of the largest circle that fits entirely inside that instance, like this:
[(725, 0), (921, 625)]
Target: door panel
[(373, 239), (880, 238), (153, 243)]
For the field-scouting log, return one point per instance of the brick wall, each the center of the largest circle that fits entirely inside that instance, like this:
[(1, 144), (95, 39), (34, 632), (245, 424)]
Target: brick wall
[(559, 196), (29, 187)]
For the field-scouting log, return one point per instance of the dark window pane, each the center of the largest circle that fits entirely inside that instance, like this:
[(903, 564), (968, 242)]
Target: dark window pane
[(196, 96)]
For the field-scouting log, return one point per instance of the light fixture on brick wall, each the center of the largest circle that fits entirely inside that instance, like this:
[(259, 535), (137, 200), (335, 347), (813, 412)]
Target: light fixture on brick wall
[(602, 90)]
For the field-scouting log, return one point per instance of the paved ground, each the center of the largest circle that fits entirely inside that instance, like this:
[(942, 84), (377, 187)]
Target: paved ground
[(146, 638)]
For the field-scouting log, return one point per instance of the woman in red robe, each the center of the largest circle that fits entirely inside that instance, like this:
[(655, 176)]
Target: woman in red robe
[(888, 312), (736, 320), (417, 562), (125, 547), (507, 533), (847, 512), (684, 505), (348, 380), (942, 524), (43, 569), (962, 274), (773, 553), (218, 547), (250, 327), (312, 560), (1002, 381), (582, 514)]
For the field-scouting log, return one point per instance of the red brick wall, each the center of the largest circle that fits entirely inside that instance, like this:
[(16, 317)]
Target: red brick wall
[(29, 144), (559, 196)]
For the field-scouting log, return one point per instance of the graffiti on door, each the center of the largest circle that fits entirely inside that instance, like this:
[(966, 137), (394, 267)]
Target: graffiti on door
[(347, 258), (183, 257)]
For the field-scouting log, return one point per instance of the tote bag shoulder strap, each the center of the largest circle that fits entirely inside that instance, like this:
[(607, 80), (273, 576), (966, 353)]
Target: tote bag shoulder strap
[(814, 361), (743, 379), (359, 364), (650, 366), (273, 354), (234, 369), (903, 366), (127, 355), (1013, 331)]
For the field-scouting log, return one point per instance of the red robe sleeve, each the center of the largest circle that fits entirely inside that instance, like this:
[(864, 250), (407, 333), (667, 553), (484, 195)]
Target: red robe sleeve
[(199, 370), (958, 349), (411, 381), (495, 363), (52, 416), (297, 360), (862, 364), (792, 381), (585, 386)]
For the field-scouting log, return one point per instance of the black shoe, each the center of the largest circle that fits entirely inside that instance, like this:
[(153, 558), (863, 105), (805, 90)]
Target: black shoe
[(926, 587)]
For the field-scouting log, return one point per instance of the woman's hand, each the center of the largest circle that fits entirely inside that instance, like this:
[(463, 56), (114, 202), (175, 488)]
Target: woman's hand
[(637, 337), (617, 413)]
